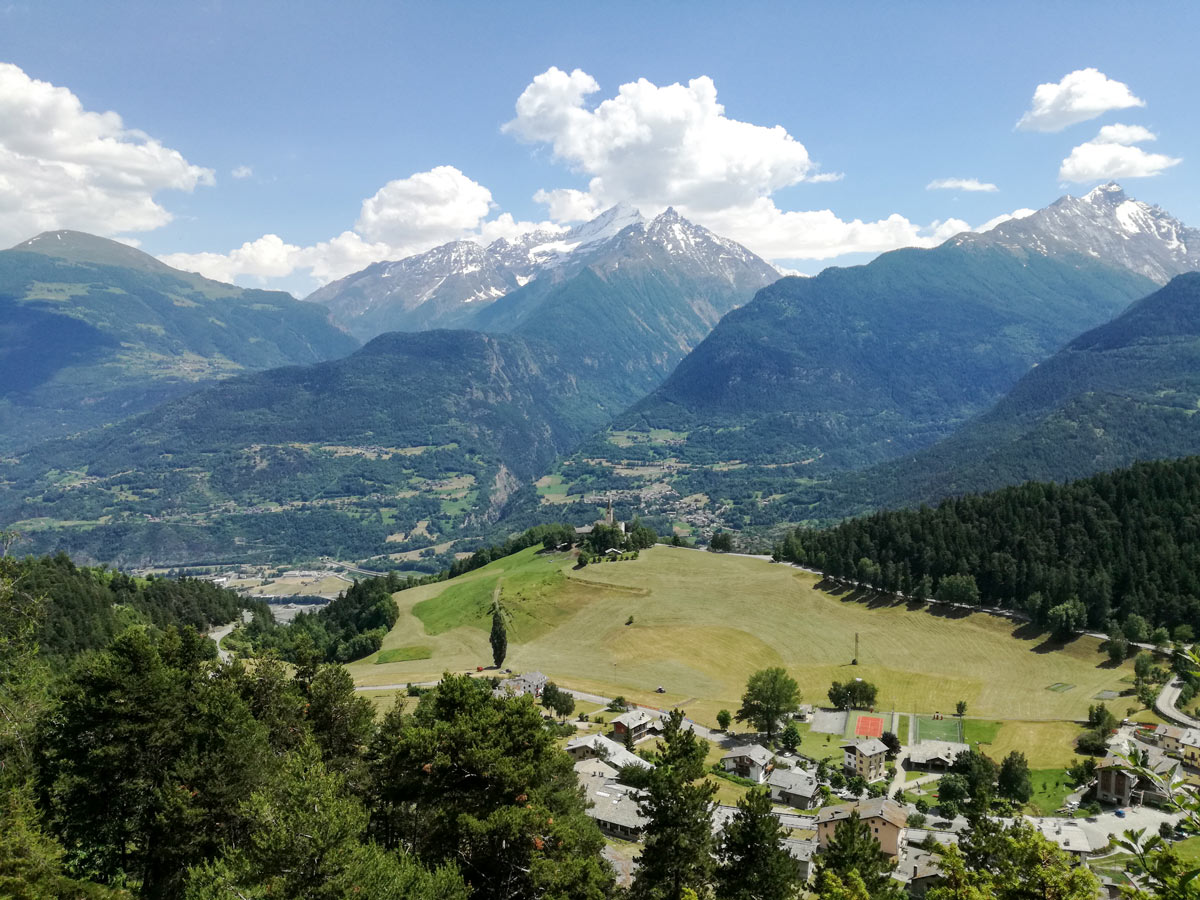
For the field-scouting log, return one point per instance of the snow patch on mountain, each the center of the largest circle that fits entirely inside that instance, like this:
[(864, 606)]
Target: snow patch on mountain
[(444, 286), (1104, 224)]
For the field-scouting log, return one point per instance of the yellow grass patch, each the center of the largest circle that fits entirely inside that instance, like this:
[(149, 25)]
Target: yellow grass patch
[(704, 622)]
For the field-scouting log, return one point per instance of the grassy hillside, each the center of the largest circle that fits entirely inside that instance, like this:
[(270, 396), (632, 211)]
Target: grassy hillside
[(704, 622), (92, 331)]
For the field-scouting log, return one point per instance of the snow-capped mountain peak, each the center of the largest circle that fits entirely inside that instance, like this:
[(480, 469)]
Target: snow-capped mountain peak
[(1105, 224), (445, 286)]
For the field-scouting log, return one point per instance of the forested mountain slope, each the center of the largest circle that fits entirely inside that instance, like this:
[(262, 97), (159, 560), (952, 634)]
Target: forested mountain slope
[(416, 437), (641, 302), (1126, 391), (837, 372), (1110, 546), (92, 330)]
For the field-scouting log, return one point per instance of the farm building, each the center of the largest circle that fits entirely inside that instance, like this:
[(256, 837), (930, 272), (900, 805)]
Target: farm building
[(531, 683)]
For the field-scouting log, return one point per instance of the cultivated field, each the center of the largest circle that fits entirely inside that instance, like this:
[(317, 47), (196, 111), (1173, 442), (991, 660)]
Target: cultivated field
[(703, 622)]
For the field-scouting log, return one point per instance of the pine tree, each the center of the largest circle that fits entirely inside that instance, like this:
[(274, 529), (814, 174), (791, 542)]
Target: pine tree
[(678, 806), (752, 861), (854, 850), (499, 637)]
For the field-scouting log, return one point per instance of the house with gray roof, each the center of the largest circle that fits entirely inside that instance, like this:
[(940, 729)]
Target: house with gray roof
[(615, 809), (866, 757), (936, 756), (637, 722), (795, 787), (752, 761), (597, 746)]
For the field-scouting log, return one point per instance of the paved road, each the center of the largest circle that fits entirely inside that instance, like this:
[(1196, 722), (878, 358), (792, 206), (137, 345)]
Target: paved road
[(1165, 704), (218, 635)]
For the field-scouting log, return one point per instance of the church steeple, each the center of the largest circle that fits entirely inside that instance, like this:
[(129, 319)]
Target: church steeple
[(609, 519)]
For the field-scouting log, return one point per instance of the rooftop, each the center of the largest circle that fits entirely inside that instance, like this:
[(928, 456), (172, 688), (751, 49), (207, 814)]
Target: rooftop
[(876, 807), (753, 752)]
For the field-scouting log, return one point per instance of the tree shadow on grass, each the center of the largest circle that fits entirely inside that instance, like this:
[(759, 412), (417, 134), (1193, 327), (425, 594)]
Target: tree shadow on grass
[(943, 611)]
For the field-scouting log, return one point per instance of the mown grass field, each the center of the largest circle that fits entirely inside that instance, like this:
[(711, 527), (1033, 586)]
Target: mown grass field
[(703, 622)]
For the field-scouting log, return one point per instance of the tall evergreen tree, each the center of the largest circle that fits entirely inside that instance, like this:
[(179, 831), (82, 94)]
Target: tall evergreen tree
[(753, 863), (499, 637), (678, 850), (479, 781)]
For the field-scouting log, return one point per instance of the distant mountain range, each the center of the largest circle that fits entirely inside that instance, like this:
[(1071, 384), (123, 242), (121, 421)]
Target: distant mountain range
[(860, 365), (92, 330), (624, 297), (449, 286), (591, 358)]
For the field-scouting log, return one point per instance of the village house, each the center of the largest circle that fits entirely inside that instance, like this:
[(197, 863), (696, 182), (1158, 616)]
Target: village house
[(637, 722), (615, 809), (1168, 737), (1069, 836), (597, 746), (804, 713), (751, 762), (934, 756), (867, 758), (1122, 787), (1189, 749), (885, 818), (795, 787), (531, 683), (917, 869), (803, 852)]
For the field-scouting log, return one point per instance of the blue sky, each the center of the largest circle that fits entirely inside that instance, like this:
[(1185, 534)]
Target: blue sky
[(328, 104)]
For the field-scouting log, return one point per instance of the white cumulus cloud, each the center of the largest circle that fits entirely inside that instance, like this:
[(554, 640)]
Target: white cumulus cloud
[(1005, 217), (960, 184), (1112, 154), (1079, 96), (242, 172), (63, 166), (655, 147), (425, 209), (1124, 134), (405, 216)]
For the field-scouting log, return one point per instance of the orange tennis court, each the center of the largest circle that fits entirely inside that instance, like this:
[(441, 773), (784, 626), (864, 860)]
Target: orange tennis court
[(869, 726)]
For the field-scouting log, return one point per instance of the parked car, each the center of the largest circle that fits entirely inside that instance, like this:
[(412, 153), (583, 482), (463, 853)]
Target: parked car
[(1120, 813)]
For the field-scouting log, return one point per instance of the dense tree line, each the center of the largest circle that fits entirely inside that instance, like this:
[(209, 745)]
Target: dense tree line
[(85, 608), (1090, 553)]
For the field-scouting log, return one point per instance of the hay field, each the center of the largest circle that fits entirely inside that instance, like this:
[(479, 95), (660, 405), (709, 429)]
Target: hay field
[(703, 622)]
